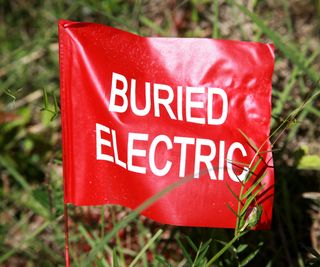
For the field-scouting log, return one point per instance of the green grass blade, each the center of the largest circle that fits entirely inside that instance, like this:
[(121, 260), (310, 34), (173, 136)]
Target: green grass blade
[(277, 110), (224, 249), (162, 261), (144, 249), (200, 258), (253, 169), (102, 224), (152, 25), (91, 242), (251, 256), (249, 140), (233, 193), (239, 163), (192, 244), (45, 99), (254, 186), (185, 252), (232, 210), (115, 258)]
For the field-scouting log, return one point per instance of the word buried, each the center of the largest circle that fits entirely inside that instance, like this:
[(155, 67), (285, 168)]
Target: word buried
[(164, 95), (178, 142)]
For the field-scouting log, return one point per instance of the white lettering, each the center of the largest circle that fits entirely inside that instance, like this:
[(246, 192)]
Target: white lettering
[(136, 152), (153, 167), (121, 92), (231, 173), (221, 160), (184, 141), (179, 103), (102, 142), (115, 150), (206, 159), (193, 104), (165, 102), (146, 109), (223, 117)]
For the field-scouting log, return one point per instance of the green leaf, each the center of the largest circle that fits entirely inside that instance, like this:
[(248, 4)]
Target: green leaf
[(254, 216), (45, 99), (251, 256), (241, 248), (309, 162)]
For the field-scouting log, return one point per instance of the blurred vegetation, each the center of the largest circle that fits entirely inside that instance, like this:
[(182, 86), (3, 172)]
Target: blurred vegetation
[(31, 195)]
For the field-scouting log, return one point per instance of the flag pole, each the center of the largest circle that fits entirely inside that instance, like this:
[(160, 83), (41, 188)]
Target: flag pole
[(66, 234)]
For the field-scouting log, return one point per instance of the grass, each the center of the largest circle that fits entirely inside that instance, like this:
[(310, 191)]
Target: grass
[(31, 197)]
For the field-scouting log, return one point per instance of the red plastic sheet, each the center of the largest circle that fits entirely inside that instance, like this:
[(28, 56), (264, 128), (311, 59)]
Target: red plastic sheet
[(139, 114)]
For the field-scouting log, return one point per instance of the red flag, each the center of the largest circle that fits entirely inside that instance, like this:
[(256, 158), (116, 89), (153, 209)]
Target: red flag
[(139, 114)]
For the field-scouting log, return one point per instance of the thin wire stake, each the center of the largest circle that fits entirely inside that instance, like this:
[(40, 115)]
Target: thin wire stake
[(66, 234)]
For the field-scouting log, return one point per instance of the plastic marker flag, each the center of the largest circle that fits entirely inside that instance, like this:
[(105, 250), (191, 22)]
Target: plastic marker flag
[(141, 114)]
